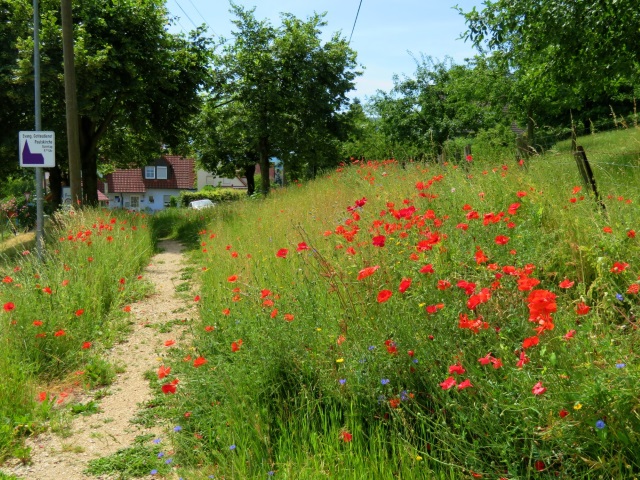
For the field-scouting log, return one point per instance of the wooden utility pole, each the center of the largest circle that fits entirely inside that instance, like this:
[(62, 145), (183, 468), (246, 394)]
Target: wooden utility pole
[(71, 100)]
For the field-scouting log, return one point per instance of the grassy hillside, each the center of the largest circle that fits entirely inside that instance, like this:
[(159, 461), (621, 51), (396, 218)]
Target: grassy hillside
[(417, 321)]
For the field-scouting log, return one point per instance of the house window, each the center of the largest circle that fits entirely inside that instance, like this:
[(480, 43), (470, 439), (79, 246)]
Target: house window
[(161, 173), (151, 199), (150, 173), (166, 199)]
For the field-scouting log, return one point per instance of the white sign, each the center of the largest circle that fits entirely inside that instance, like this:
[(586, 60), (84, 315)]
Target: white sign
[(37, 149)]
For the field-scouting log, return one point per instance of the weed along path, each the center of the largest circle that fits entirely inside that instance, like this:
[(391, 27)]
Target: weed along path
[(157, 319)]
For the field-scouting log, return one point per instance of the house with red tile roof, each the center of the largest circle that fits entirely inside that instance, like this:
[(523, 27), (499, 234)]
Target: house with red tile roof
[(152, 186)]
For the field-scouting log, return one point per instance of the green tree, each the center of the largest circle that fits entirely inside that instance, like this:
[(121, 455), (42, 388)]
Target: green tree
[(288, 86), (565, 54), (138, 85)]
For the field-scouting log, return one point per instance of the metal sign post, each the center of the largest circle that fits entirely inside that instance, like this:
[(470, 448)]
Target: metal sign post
[(38, 127)]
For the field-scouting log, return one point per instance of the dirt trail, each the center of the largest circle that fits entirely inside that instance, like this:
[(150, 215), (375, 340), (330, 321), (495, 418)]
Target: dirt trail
[(103, 433)]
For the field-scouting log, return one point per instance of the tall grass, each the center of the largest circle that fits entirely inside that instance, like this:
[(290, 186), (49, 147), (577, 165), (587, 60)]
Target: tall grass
[(59, 313), (311, 371)]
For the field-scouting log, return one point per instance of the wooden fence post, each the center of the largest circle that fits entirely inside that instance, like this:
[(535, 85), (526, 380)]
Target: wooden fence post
[(587, 174)]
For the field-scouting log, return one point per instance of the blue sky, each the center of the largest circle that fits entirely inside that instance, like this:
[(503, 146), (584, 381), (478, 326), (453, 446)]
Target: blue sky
[(385, 33)]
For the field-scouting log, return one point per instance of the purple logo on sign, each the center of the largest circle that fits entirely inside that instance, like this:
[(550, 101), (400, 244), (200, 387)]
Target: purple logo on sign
[(29, 158)]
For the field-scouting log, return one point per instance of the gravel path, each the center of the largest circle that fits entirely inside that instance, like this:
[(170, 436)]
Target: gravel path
[(55, 457)]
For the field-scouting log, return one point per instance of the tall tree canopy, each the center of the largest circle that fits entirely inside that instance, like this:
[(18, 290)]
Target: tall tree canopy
[(281, 92), (566, 54), (138, 84)]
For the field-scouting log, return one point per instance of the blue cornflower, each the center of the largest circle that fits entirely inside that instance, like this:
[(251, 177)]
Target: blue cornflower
[(177, 428), (619, 297), (342, 381), (384, 381), (271, 473), (161, 454), (168, 461), (372, 347), (232, 447), (600, 424), (621, 365), (156, 440), (153, 472)]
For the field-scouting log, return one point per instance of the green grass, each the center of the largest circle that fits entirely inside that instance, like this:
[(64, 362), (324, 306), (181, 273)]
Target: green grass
[(286, 396), (59, 314)]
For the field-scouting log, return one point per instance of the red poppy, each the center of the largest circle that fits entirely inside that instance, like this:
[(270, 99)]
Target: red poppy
[(60, 333), (198, 362), (486, 360), (569, 335), (523, 360), (582, 309), (302, 246), (163, 371), (539, 465), (86, 345), (404, 285), (79, 312), (394, 402), (37, 323), (443, 284), (282, 253), (7, 279), (232, 278), (365, 272), (563, 413), (127, 309), (226, 311), (168, 343), (631, 234), (496, 363), (566, 283), (448, 383), (633, 288), (274, 313), (346, 437), (464, 384), (538, 389), (384, 295), (170, 387), (209, 328), (525, 283), (427, 269), (47, 290), (619, 267), (480, 256), (288, 317), (379, 240), (457, 368), (235, 346), (9, 306), (530, 342), (501, 240), (42, 396)]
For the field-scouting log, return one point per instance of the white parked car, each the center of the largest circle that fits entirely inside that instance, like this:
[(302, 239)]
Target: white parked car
[(200, 204)]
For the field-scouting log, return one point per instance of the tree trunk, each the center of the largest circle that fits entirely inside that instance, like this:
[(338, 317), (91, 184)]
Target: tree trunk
[(250, 174), (263, 152), (73, 142), (530, 127), (55, 186), (88, 154)]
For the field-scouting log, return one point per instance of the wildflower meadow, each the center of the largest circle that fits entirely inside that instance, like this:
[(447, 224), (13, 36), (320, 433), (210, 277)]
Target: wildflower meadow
[(415, 321), (387, 320)]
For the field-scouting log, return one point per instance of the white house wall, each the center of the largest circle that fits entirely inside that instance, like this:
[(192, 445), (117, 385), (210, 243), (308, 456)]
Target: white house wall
[(152, 199), (207, 178)]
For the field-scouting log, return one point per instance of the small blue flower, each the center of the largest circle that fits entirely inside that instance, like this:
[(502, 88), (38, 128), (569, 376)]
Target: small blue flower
[(619, 297), (177, 428), (371, 348), (168, 461), (161, 454), (415, 360), (156, 441), (153, 472), (404, 396), (621, 365), (271, 473), (600, 424), (232, 447), (342, 381), (384, 381)]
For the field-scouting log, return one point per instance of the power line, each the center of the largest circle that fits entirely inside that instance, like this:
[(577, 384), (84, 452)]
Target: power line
[(186, 15), (198, 11), (354, 22)]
